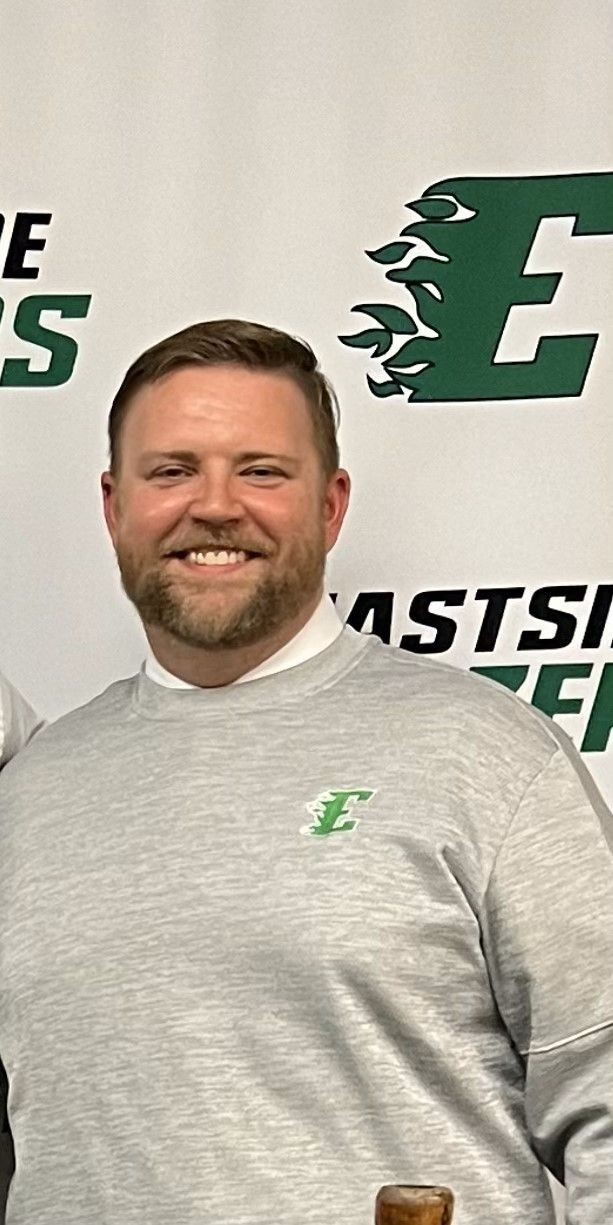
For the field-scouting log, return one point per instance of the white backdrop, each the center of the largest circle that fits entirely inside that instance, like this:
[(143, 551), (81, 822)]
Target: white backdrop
[(218, 158)]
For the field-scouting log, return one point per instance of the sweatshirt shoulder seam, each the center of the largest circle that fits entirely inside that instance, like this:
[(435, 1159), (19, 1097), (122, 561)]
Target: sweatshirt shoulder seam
[(555, 750), (562, 1042)]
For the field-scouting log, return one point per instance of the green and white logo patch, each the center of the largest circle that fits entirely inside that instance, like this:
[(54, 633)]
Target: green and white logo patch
[(332, 811), (461, 265)]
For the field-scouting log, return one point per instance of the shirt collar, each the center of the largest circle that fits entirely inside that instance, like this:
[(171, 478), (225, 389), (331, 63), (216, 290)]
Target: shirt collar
[(322, 628)]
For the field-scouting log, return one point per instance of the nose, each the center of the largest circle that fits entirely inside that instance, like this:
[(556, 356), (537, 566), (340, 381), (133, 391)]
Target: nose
[(215, 499)]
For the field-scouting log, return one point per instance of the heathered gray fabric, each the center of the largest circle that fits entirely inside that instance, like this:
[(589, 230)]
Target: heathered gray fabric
[(211, 1016)]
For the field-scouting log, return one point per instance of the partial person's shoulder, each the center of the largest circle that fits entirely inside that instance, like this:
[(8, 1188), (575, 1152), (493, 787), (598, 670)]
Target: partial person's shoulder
[(19, 722)]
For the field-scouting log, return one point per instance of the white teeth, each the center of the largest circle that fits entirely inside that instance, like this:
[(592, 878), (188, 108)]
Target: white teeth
[(221, 558)]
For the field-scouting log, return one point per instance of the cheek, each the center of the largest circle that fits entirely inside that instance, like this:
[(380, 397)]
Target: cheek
[(293, 513), (147, 515)]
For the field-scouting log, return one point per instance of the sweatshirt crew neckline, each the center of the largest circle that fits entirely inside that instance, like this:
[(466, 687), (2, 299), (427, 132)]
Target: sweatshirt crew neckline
[(291, 686)]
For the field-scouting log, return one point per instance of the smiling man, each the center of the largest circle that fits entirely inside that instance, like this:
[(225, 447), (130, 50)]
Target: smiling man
[(291, 914)]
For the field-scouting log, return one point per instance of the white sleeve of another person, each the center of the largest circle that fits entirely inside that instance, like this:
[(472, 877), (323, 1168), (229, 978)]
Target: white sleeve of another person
[(18, 721)]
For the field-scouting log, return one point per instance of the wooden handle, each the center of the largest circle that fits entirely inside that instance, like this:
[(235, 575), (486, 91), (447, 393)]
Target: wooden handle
[(399, 1205)]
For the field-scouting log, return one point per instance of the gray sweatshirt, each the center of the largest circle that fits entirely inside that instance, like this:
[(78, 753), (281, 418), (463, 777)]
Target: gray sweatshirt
[(266, 947)]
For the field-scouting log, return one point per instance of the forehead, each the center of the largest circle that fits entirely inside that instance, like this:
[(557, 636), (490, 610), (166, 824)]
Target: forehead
[(229, 404)]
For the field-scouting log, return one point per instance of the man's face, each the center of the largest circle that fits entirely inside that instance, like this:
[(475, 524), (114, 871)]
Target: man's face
[(221, 515)]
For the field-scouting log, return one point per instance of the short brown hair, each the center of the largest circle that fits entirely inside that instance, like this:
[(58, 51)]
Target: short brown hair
[(240, 343)]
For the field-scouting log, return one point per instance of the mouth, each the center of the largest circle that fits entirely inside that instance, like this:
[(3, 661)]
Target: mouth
[(213, 561)]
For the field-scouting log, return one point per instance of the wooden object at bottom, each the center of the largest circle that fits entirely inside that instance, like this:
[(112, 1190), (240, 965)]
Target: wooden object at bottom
[(400, 1205)]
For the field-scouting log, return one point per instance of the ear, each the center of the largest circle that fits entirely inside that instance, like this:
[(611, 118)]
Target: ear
[(110, 499), (336, 501)]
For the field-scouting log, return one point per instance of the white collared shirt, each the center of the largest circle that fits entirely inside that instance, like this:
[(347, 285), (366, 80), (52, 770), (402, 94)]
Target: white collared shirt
[(322, 628)]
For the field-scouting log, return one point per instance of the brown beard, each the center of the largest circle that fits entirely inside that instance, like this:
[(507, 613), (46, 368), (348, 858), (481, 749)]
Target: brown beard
[(275, 600)]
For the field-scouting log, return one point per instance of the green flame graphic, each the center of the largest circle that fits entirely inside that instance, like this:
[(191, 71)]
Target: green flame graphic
[(418, 269)]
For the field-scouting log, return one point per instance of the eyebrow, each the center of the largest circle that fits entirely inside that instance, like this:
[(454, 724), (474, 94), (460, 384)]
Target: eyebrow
[(190, 457)]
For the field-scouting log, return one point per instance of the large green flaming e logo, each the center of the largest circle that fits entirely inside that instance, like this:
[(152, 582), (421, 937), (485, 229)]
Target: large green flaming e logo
[(462, 266)]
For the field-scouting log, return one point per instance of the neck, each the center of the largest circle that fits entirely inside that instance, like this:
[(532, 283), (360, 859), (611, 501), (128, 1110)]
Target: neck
[(212, 668)]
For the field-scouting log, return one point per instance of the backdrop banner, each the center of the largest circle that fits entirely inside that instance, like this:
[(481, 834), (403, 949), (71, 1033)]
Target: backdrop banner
[(425, 194)]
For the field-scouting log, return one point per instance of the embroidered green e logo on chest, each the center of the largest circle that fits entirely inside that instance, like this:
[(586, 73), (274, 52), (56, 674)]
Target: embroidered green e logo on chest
[(329, 809)]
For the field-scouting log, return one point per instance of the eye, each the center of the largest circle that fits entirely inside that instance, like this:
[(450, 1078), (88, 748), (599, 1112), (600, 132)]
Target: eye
[(261, 472), (170, 471)]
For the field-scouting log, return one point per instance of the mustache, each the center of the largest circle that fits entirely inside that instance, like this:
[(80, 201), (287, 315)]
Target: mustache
[(203, 546)]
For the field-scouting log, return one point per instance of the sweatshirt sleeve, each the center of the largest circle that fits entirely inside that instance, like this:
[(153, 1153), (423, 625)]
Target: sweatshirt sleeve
[(18, 722), (548, 939), (7, 1156)]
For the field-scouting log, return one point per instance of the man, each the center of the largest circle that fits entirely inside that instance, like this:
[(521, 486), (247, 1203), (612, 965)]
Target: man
[(291, 914)]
